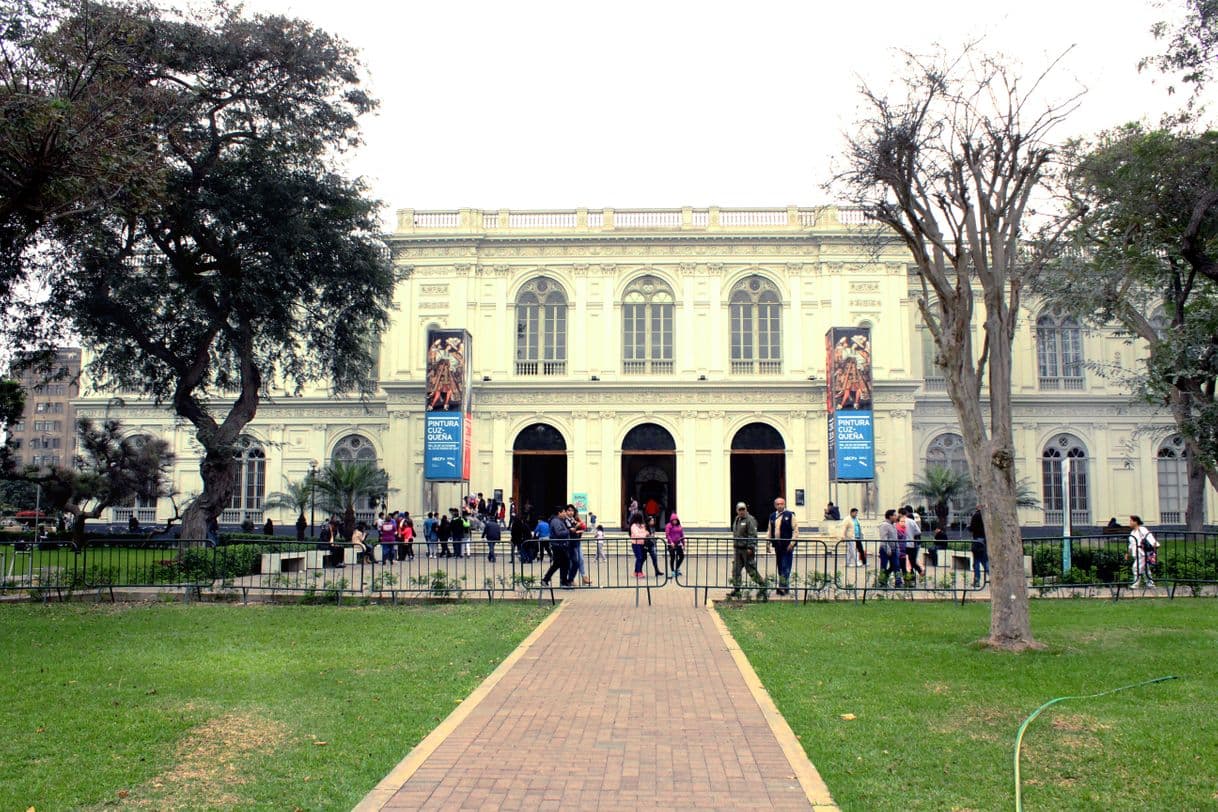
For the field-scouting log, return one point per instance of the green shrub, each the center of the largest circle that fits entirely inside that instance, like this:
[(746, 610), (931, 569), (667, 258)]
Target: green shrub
[(1047, 560)]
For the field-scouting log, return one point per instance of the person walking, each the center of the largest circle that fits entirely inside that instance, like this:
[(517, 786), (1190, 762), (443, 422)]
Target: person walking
[(560, 534), (492, 533), (783, 535), (744, 543), (890, 547), (852, 535), (674, 534), (981, 555), (638, 541), (575, 547), (600, 543), (1142, 550), (520, 536), (913, 537)]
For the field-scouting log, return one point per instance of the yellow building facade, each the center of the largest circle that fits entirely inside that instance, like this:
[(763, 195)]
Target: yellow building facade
[(677, 356)]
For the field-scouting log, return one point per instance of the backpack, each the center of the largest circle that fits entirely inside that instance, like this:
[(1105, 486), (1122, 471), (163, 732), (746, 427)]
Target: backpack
[(1148, 542)]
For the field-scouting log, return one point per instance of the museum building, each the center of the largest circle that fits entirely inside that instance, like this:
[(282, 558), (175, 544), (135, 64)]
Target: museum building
[(678, 355)]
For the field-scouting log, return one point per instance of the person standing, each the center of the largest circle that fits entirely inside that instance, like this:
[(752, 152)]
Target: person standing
[(575, 551), (981, 555), (405, 535), (302, 524), (519, 535), (443, 534), (650, 545), (852, 534), (429, 533), (674, 533), (542, 533), (638, 541), (744, 543), (600, 543), (783, 533), (889, 546), (388, 532), (1142, 550)]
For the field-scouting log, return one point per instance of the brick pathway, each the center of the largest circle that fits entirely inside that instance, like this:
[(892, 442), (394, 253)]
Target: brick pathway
[(611, 707)]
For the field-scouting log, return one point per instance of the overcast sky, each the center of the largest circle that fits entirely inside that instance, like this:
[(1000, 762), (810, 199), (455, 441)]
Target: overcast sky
[(663, 103)]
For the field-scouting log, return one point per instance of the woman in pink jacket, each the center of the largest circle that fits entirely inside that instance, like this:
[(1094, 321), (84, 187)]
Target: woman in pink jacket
[(675, 534)]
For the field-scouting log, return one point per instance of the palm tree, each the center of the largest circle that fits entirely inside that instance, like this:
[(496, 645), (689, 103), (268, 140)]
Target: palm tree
[(294, 496), (341, 484), (940, 486)]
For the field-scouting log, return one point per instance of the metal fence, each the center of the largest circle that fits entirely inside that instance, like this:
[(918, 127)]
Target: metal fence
[(814, 568)]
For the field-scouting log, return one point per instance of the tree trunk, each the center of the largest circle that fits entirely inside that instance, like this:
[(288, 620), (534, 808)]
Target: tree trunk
[(78, 528), (1195, 514), (219, 472)]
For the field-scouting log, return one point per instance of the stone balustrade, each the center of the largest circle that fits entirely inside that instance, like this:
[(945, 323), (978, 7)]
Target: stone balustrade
[(714, 218)]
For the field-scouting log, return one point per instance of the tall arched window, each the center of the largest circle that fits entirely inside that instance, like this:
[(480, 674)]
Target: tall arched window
[(1061, 447), (755, 309), (647, 336), (142, 505), (541, 328), (947, 451), (249, 489), (1059, 352), (354, 448), (1172, 468)]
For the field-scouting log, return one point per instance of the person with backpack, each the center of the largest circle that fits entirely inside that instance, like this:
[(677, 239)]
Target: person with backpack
[(388, 531), (560, 534), (784, 532), (1142, 547)]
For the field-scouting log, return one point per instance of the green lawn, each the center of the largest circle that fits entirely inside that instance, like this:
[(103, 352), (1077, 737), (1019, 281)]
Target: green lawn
[(936, 716), (210, 706)]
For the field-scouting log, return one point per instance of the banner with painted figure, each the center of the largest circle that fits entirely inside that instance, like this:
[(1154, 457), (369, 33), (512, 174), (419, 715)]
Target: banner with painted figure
[(447, 423), (851, 425)]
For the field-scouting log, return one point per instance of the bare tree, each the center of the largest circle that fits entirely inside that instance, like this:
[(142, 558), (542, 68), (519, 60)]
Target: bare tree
[(952, 167)]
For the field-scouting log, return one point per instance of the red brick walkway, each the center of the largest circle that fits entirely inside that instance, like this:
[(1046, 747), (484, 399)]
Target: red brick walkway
[(611, 707)]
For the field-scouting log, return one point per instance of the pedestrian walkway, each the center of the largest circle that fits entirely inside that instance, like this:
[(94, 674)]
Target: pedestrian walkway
[(613, 707)]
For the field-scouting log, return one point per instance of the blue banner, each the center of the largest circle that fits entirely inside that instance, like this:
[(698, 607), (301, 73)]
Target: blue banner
[(854, 446), (444, 433)]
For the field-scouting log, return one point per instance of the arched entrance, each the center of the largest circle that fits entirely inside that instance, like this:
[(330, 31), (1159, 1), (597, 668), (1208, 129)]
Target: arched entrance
[(539, 470), (759, 469), (649, 472)]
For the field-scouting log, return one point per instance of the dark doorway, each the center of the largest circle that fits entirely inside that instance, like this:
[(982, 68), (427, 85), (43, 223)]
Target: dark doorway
[(758, 470), (539, 470), (649, 472)]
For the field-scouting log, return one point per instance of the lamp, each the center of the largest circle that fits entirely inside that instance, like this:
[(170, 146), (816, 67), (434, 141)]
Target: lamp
[(596, 377), (811, 377), (486, 378), (312, 500), (702, 377)]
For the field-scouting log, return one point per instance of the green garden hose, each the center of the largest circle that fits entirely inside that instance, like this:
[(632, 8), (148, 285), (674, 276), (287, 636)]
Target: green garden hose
[(1035, 713)]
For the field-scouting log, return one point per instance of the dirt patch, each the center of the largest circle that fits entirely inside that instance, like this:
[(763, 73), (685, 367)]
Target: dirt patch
[(976, 724), (209, 762), (1077, 723)]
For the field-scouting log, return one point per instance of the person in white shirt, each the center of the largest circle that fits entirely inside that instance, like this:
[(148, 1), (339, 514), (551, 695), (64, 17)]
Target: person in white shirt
[(1142, 551), (852, 533)]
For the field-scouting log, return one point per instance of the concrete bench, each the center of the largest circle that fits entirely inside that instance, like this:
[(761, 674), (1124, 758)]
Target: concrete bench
[(293, 562)]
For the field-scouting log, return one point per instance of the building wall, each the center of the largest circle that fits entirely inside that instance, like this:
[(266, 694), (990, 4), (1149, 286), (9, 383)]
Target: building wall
[(466, 269), (46, 434)]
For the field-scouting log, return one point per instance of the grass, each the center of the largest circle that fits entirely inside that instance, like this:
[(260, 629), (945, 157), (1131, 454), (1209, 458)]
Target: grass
[(208, 706), (936, 716)]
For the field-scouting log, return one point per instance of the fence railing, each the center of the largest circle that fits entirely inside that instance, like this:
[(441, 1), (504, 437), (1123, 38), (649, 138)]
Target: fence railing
[(537, 568)]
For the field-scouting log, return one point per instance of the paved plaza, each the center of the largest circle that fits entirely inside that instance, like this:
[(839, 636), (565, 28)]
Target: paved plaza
[(609, 706)]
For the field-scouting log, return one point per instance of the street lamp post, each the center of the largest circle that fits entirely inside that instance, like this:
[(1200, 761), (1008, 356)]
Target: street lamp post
[(312, 500)]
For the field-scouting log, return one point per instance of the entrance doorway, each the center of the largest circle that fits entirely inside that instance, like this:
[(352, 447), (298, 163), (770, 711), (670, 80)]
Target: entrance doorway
[(649, 472), (539, 471), (758, 470)]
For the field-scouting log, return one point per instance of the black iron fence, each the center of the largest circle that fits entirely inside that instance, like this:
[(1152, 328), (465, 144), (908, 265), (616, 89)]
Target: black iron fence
[(540, 569)]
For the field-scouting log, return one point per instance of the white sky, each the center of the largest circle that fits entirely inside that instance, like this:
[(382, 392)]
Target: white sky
[(665, 103)]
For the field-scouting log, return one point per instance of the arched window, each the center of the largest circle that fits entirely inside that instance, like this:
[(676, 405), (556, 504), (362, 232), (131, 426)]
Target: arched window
[(249, 488), (1059, 352), (354, 448), (947, 451), (647, 311), (1061, 447), (755, 309), (541, 329), (142, 505), (1172, 469)]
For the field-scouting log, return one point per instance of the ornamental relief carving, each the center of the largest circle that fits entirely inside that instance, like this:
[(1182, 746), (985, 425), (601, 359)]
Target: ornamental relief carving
[(864, 287), (867, 303), (433, 290)]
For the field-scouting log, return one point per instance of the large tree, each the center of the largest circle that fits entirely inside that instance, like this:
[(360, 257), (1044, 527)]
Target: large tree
[(1142, 254), (255, 261), (76, 92), (950, 165)]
